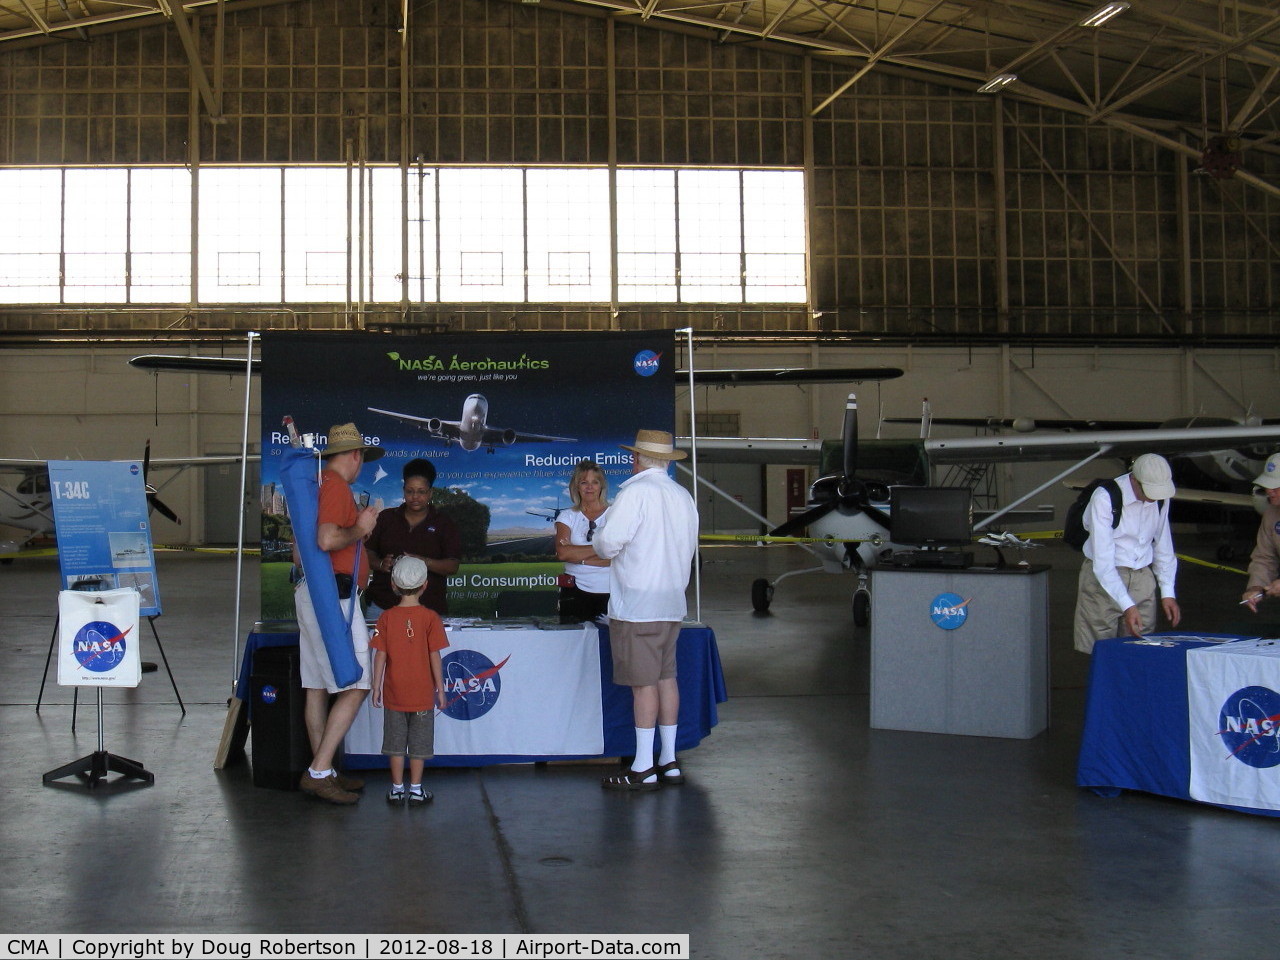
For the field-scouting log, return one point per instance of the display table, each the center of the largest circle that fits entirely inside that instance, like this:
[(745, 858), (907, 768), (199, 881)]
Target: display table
[(565, 675), (960, 651), (1139, 727)]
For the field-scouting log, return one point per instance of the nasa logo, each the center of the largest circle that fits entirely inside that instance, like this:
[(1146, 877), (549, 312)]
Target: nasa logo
[(1278, 526), (269, 694), (949, 610), (646, 363), (99, 646), (133, 469), (471, 684), (1249, 724)]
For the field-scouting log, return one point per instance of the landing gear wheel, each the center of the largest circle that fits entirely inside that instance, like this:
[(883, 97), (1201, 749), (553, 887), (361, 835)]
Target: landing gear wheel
[(861, 608), (761, 595)]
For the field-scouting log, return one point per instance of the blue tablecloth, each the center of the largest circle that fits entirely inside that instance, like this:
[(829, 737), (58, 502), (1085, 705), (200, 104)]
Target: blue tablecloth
[(1136, 717), (701, 682)]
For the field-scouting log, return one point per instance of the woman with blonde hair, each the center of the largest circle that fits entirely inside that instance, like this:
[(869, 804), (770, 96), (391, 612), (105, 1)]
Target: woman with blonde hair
[(584, 591)]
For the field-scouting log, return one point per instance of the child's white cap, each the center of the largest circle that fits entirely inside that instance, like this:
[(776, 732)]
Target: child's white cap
[(409, 573)]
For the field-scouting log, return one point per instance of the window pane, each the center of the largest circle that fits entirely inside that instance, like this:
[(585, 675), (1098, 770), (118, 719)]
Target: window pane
[(647, 235), (30, 243), (240, 235), (568, 223), (315, 235), (774, 235), (481, 235), (383, 263), (710, 236), (95, 229), (160, 236), (423, 279)]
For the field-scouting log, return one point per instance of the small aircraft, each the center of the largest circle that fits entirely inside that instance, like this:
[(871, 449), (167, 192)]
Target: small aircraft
[(472, 431), (29, 506), (849, 516)]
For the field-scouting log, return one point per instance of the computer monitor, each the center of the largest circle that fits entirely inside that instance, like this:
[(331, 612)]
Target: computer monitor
[(930, 516)]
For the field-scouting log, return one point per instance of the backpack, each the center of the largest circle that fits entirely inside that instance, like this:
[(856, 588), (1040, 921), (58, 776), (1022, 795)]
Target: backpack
[(1074, 534)]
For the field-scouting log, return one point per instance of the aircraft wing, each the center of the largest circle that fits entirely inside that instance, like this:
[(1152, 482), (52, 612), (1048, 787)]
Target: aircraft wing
[(496, 435), (724, 378), (1221, 498), (443, 429), (180, 364), (1028, 424), (755, 450), (1112, 443), (170, 463)]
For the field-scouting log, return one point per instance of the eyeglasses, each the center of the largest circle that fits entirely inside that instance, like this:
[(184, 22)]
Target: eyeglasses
[(591, 529)]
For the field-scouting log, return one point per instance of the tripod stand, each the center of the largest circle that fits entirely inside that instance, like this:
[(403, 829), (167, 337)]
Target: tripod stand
[(95, 767)]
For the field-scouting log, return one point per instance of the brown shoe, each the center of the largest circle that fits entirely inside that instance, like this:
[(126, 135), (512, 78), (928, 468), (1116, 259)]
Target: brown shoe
[(327, 789), (350, 784)]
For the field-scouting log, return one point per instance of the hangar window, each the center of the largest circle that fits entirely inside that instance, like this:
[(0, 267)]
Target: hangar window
[(314, 234)]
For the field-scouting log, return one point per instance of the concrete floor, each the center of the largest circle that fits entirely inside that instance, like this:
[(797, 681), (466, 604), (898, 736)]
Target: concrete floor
[(802, 833)]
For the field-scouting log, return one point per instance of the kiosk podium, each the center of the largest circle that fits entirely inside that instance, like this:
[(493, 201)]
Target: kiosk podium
[(962, 651)]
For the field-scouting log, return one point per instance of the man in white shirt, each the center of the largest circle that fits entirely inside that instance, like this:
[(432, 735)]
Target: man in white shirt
[(651, 536), (1126, 564)]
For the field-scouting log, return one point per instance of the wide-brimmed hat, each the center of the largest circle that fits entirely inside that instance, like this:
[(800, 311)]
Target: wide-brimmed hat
[(409, 573), (657, 444), (344, 437), (1154, 476), (1269, 478)]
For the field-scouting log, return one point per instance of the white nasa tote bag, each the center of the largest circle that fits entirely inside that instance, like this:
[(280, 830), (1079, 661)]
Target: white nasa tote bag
[(98, 638)]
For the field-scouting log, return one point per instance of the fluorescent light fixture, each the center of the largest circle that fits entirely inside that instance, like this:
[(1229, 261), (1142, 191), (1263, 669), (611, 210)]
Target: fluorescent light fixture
[(1104, 13), (998, 83)]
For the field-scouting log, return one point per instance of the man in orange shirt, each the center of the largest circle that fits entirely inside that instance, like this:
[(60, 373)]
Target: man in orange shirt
[(341, 527)]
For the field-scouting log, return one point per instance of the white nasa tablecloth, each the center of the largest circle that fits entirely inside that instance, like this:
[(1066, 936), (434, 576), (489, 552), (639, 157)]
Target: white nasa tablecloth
[(1233, 701), (512, 692)]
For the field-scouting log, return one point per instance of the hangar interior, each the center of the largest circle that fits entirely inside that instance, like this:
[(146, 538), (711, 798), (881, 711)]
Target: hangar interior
[(1031, 213)]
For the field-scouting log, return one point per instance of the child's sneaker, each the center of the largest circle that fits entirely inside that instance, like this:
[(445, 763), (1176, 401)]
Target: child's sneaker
[(419, 797), (395, 794)]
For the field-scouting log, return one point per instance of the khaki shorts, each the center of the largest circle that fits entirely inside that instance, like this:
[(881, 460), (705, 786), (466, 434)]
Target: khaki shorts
[(314, 666), (643, 653), (411, 733)]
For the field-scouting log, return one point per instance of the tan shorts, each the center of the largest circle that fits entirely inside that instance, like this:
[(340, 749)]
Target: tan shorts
[(643, 653)]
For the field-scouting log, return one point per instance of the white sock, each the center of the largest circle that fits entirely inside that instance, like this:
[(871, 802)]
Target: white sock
[(397, 788), (667, 741), (320, 775), (644, 749), (415, 788)]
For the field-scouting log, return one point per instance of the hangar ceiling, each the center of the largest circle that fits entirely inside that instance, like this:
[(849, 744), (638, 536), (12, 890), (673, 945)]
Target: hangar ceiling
[(1201, 77)]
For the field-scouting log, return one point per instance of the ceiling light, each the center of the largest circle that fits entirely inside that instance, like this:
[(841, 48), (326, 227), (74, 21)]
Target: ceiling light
[(998, 83), (1104, 13)]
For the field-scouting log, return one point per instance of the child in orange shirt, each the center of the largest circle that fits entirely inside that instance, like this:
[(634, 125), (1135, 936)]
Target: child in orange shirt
[(407, 679)]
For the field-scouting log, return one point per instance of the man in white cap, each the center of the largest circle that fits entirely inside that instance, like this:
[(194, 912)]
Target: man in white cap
[(1264, 562), (341, 526), (651, 535), (1129, 559)]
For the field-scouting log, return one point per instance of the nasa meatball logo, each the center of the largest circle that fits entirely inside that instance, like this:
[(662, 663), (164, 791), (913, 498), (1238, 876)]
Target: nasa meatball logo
[(949, 610), (1249, 725), (269, 694), (471, 684), (646, 363), (99, 646)]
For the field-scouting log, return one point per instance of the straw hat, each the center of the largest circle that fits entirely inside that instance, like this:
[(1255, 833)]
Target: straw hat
[(657, 444), (344, 437)]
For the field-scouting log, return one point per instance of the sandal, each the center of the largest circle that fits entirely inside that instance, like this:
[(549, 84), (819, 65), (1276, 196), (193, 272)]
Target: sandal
[(632, 780), (666, 774)]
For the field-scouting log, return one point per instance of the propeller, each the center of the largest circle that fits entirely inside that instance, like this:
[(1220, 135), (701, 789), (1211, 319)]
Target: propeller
[(153, 499), (841, 490)]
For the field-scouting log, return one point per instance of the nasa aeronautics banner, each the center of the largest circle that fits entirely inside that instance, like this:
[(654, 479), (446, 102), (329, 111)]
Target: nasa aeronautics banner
[(98, 638), (1233, 700), (518, 693), (502, 417)]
